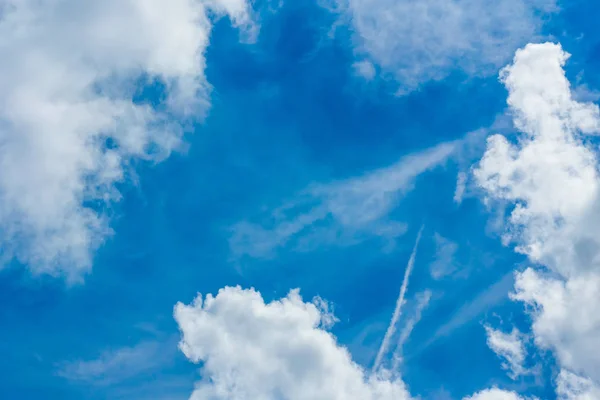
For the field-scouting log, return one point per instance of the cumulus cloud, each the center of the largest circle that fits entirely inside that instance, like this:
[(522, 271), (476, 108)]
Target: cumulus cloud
[(549, 176), (421, 40), (68, 124), (252, 349), (565, 317), (495, 394), (573, 387), (509, 347), (342, 212), (249, 348), (549, 164)]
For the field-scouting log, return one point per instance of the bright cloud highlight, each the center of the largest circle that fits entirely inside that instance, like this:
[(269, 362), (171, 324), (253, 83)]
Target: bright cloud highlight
[(252, 349), (549, 176), (69, 127)]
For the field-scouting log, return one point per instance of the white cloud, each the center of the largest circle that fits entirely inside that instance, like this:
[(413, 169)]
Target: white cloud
[(550, 163), (444, 263), (510, 347), (461, 185), (365, 68), (67, 80), (574, 387), (342, 212), (550, 176), (250, 349), (495, 394), (383, 349), (423, 300), (418, 41), (488, 297), (117, 365), (565, 317)]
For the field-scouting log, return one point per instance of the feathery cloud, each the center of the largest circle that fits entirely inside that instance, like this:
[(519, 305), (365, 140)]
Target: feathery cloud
[(341, 212), (418, 41)]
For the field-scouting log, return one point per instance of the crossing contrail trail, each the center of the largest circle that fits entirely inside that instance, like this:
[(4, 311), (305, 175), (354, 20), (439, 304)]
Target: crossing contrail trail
[(397, 311), (422, 303)]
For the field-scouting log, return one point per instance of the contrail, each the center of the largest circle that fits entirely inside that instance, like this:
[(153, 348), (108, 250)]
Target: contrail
[(397, 311), (423, 302)]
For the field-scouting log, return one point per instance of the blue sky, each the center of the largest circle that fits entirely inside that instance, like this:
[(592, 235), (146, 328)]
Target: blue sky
[(157, 152)]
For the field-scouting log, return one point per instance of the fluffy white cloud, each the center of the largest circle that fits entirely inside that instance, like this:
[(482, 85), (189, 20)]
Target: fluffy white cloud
[(509, 347), (250, 349), (549, 164), (417, 41), (495, 394), (566, 319), (68, 125), (574, 387), (550, 176), (340, 212), (281, 350)]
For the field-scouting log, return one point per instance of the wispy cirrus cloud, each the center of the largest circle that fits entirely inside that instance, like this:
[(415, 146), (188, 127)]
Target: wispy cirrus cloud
[(416, 41), (341, 213), (118, 365), (444, 263), (392, 326), (422, 300), (482, 301)]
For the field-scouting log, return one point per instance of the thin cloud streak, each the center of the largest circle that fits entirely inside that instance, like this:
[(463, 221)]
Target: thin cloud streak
[(423, 302), (398, 310), (340, 213)]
